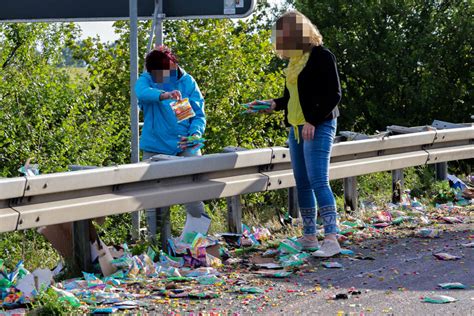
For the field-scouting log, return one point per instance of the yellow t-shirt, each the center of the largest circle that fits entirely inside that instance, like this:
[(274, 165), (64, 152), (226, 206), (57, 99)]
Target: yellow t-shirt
[(295, 113)]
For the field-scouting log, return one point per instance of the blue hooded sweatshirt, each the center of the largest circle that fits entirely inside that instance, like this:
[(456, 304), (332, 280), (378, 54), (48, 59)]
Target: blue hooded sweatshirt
[(161, 131)]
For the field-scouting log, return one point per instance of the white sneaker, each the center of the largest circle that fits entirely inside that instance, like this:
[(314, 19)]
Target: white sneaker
[(309, 242), (329, 248)]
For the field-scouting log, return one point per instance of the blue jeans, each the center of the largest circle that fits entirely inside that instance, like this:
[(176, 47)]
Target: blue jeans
[(310, 161)]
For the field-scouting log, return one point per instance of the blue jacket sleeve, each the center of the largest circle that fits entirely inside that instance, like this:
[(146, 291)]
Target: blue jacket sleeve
[(198, 122), (145, 92)]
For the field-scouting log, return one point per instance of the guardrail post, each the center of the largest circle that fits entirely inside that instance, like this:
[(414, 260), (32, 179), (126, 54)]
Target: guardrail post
[(441, 171), (234, 205), (351, 196), (81, 246), (163, 221), (397, 185), (293, 209), (234, 214), (136, 225)]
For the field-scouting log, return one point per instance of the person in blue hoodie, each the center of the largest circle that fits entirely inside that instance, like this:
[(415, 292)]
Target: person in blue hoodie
[(162, 84)]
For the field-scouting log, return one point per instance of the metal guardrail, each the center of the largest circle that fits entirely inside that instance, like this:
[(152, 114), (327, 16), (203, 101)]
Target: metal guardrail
[(30, 202)]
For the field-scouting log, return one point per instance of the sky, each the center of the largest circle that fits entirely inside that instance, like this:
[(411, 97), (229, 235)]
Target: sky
[(105, 30)]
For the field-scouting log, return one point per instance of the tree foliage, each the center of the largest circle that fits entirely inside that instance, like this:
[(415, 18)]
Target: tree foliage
[(47, 113), (401, 62)]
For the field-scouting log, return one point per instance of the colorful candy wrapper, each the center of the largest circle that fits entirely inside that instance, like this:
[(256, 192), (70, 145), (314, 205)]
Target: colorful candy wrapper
[(274, 274), (65, 296), (151, 253), (331, 265), (290, 246), (209, 280), (439, 299), (204, 295), (183, 109), (452, 219), (149, 267), (212, 261), (293, 260), (451, 286), (257, 106), (191, 143), (105, 310), (446, 256), (428, 233), (251, 290), (167, 260), (346, 252)]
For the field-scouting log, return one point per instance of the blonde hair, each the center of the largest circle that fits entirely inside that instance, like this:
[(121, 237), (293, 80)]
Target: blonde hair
[(315, 37)]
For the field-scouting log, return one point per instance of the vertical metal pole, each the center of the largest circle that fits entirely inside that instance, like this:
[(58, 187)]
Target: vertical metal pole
[(293, 203), (163, 221), (160, 216), (234, 214), (441, 171), (397, 185), (159, 24), (81, 246), (350, 193), (134, 102)]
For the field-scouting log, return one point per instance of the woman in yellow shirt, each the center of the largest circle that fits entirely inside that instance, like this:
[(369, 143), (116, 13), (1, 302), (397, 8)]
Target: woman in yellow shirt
[(312, 92)]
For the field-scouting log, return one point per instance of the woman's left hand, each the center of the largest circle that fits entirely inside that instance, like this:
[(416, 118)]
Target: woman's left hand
[(308, 131)]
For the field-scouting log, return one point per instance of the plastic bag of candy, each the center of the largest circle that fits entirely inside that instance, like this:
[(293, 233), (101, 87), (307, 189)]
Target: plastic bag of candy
[(183, 109)]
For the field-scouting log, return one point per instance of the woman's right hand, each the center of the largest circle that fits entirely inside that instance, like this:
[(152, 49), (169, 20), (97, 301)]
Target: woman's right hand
[(175, 95), (269, 101)]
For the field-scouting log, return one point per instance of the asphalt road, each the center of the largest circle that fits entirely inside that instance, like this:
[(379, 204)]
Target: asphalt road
[(404, 270)]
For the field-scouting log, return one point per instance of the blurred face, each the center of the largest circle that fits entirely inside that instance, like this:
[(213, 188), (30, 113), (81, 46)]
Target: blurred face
[(291, 37), (165, 75)]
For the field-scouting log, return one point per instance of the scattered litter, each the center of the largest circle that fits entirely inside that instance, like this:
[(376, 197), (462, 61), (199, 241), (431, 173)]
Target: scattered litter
[(341, 296), (269, 265), (454, 285), (364, 258), (345, 296), (439, 299), (252, 290), (196, 266), (290, 246), (255, 106), (346, 252), (452, 220), (278, 274), (446, 256), (331, 265), (428, 233)]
